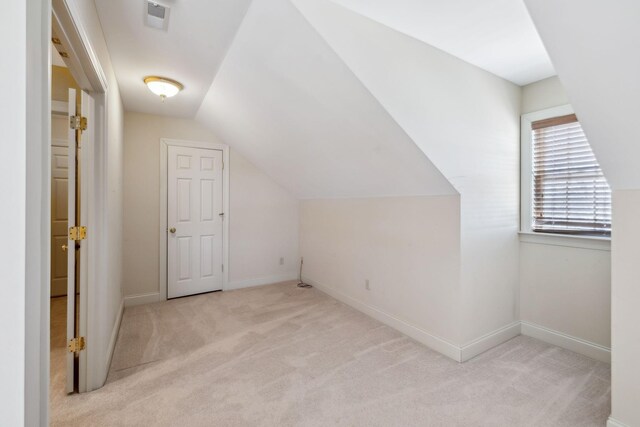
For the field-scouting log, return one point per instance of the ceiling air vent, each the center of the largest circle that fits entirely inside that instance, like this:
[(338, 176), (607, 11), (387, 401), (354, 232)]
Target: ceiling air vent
[(156, 15)]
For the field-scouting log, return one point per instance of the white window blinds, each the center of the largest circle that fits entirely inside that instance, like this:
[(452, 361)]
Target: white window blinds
[(570, 193)]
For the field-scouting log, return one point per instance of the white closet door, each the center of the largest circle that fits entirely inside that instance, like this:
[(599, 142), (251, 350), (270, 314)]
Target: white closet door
[(194, 221)]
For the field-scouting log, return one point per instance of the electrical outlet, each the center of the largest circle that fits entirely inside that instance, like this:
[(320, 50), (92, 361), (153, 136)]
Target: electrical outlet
[(281, 260), (366, 285)]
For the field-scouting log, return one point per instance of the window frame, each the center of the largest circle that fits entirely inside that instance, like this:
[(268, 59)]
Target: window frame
[(526, 182)]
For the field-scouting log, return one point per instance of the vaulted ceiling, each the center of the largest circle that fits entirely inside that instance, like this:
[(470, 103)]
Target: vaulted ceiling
[(495, 35), (440, 101), (313, 91), (286, 100)]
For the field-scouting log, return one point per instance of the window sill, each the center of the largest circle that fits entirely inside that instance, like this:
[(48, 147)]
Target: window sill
[(582, 242)]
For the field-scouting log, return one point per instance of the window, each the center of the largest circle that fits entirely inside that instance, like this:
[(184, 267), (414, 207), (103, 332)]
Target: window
[(567, 191)]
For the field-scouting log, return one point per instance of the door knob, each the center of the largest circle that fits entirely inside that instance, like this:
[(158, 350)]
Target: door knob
[(172, 230), (64, 248)]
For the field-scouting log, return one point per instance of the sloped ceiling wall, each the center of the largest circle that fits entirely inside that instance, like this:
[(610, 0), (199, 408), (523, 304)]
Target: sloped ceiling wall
[(594, 46), (286, 101), (495, 35), (456, 113), (466, 120)]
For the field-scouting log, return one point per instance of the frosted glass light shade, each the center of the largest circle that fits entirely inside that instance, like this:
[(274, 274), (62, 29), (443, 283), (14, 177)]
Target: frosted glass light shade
[(163, 87)]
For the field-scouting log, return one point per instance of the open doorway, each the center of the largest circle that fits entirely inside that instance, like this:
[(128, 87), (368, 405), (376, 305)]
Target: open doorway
[(79, 360), (65, 289)]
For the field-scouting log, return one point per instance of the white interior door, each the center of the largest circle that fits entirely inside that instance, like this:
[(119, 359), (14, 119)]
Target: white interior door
[(83, 184), (71, 244), (194, 221), (78, 178), (59, 227)]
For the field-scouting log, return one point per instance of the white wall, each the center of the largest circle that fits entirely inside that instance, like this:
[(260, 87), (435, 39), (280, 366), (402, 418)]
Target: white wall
[(407, 247), (466, 121), (625, 298), (543, 94), (264, 227), (38, 225), (263, 216), (13, 84), (567, 289), (565, 285)]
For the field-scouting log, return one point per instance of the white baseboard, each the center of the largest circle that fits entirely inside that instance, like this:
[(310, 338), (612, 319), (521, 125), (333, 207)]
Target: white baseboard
[(488, 341), (132, 300), (435, 343), (152, 297), (595, 351), (260, 281), (612, 422), (479, 345), (113, 339), (457, 353)]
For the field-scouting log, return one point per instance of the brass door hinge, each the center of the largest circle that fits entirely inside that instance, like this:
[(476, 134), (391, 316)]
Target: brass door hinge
[(78, 123), (77, 233), (77, 344)]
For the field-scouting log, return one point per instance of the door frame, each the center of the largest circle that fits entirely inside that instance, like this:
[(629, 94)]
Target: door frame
[(162, 231), (31, 350), (91, 78)]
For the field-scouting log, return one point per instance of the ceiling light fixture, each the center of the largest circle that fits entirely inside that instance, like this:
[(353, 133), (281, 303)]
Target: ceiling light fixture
[(162, 86)]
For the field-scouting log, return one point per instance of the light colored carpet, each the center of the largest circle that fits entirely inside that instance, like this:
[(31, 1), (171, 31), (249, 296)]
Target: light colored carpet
[(58, 361), (283, 356)]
